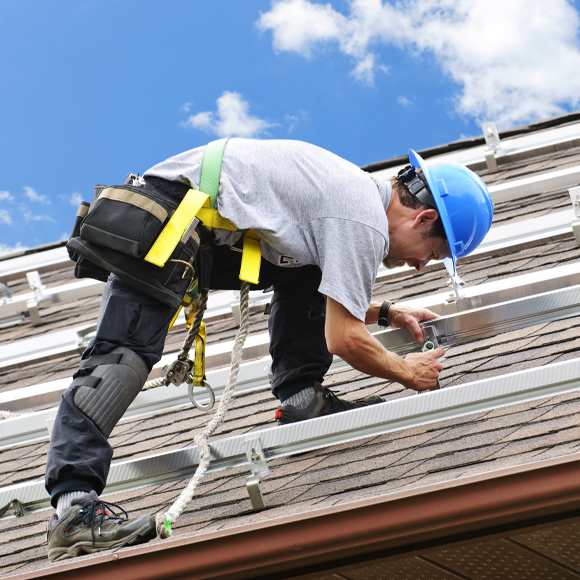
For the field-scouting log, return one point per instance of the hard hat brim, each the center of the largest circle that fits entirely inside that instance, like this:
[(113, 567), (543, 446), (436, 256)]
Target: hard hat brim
[(417, 162)]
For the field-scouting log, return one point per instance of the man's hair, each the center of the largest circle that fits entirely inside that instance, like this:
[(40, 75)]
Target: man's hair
[(410, 201)]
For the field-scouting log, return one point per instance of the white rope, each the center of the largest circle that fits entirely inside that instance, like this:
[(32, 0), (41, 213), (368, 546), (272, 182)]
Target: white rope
[(165, 520), (10, 414)]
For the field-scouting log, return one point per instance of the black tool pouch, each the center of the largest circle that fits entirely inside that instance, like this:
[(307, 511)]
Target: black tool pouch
[(126, 218), (116, 233)]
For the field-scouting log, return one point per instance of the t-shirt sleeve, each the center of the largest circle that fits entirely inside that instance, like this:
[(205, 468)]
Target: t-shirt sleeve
[(349, 255)]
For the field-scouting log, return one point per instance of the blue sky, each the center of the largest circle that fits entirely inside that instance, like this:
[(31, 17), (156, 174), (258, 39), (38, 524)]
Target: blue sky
[(94, 89)]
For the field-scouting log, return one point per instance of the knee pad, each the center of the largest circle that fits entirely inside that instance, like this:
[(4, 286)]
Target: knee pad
[(104, 395)]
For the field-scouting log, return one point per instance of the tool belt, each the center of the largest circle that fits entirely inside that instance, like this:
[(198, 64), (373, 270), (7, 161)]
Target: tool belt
[(154, 243)]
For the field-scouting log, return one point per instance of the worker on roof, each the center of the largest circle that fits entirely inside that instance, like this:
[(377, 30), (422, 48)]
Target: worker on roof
[(325, 226)]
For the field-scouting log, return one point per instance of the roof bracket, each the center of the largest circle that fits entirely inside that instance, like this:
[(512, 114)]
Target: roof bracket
[(37, 288), (575, 199), (17, 507), (259, 469), (457, 295), (493, 144)]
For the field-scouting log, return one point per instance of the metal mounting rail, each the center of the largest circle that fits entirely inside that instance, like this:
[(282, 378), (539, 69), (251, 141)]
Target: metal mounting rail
[(76, 339), (466, 325), (537, 141), (490, 320), (12, 268), (36, 426), (484, 395)]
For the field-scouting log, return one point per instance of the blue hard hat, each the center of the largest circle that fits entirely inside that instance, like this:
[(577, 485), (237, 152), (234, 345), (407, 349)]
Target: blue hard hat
[(463, 202)]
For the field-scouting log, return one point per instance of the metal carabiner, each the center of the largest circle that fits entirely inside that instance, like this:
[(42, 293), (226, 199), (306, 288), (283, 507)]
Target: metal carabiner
[(209, 392)]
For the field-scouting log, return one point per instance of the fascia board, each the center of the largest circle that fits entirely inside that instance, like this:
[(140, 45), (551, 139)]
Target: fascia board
[(327, 536)]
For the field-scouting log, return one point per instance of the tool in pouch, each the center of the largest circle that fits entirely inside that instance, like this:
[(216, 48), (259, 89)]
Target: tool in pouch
[(200, 204)]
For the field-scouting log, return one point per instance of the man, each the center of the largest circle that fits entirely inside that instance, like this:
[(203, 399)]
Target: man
[(325, 227)]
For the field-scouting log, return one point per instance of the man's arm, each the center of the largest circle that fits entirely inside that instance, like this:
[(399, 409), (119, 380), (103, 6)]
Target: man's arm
[(348, 338)]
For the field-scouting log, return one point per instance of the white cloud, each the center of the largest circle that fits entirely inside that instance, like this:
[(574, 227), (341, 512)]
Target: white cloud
[(402, 100), (30, 217), (33, 196), (300, 25), (4, 249), (5, 196), (231, 120), (5, 217), (294, 120), (513, 61), (74, 199), (186, 107)]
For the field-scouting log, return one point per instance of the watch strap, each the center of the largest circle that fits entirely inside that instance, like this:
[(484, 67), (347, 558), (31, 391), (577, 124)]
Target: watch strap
[(383, 311)]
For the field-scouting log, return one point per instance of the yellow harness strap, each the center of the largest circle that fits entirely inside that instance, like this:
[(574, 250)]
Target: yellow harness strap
[(199, 360), (177, 225), (197, 204)]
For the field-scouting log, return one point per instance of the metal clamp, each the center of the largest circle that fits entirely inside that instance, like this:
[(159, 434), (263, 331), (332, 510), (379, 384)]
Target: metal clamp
[(431, 343), (259, 469), (177, 371), (17, 508)]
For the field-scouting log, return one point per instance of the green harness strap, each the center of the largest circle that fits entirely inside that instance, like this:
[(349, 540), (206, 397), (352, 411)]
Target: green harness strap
[(211, 168)]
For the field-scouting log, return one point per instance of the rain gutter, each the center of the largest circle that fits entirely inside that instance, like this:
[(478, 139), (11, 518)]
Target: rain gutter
[(327, 538)]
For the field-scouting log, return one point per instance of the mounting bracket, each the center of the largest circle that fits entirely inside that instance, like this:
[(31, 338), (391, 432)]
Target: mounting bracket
[(492, 141), (575, 199), (431, 343), (259, 469)]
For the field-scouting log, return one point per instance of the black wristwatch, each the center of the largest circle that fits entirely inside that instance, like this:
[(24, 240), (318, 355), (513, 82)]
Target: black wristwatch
[(383, 311)]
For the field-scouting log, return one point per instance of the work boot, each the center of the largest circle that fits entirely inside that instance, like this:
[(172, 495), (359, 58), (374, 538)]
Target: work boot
[(91, 525), (324, 402)]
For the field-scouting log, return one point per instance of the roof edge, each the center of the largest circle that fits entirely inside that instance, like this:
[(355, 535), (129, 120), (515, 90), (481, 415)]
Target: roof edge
[(393, 521)]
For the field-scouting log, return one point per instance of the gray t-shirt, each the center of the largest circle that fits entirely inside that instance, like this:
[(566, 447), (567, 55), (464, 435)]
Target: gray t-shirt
[(308, 205)]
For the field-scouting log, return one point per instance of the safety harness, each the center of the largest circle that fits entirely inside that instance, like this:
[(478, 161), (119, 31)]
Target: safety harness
[(179, 228), (200, 204)]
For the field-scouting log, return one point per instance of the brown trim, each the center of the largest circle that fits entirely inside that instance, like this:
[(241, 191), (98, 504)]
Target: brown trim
[(428, 513)]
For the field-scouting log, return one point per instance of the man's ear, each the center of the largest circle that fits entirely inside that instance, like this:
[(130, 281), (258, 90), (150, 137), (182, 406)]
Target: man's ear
[(426, 218)]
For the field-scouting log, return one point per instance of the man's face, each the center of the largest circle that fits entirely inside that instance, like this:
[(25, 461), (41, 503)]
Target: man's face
[(416, 253)]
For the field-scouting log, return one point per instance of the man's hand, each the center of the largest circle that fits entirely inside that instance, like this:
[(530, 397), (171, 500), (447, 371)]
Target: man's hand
[(425, 368), (401, 316), (348, 338)]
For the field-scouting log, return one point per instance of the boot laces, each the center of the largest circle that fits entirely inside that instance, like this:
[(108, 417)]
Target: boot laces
[(101, 511), (334, 399)]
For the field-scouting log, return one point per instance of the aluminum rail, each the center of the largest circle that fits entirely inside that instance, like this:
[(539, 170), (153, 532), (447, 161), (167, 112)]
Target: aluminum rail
[(75, 339), (448, 330), (508, 147), (478, 396), (11, 268), (252, 376), (220, 303), (485, 295), (17, 400), (489, 320)]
